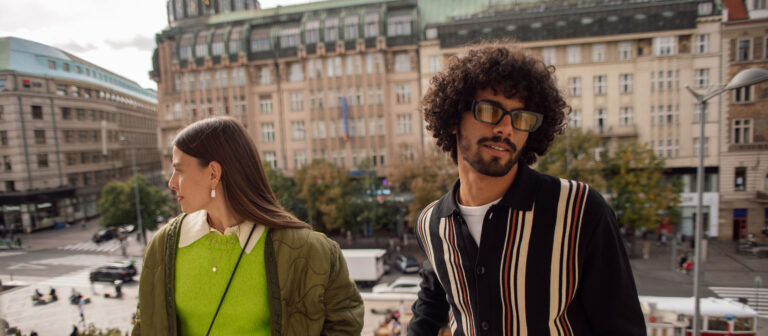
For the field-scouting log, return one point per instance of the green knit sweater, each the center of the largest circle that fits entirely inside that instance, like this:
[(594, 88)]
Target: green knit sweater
[(245, 310)]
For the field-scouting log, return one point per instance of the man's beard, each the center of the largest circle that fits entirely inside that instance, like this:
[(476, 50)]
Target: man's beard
[(494, 167)]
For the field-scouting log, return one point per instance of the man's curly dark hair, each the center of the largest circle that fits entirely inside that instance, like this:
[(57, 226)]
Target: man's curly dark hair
[(510, 71)]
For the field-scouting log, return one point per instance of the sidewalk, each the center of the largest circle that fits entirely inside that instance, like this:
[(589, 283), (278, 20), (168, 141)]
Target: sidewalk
[(723, 267), (53, 238), (654, 276)]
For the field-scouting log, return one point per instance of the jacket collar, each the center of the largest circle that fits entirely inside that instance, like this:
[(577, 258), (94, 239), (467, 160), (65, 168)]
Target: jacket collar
[(195, 226), (520, 194)]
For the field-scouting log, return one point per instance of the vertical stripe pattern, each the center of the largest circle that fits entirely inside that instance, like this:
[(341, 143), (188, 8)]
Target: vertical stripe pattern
[(513, 272), (523, 277), (564, 266), (459, 288)]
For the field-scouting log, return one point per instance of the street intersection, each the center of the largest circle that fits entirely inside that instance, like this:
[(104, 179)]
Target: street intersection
[(62, 259)]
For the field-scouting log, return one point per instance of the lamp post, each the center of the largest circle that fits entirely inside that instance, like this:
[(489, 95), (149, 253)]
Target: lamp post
[(744, 78), (136, 189)]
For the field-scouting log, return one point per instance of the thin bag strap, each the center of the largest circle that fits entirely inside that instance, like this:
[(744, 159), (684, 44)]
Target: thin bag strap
[(230, 280)]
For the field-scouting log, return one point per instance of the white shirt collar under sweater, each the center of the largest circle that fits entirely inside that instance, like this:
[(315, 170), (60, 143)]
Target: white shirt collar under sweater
[(195, 226), (473, 216)]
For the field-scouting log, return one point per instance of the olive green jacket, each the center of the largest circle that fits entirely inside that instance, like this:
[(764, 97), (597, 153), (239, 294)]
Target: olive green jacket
[(310, 292)]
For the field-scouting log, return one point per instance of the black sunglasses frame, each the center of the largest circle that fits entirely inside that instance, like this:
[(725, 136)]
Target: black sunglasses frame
[(539, 116)]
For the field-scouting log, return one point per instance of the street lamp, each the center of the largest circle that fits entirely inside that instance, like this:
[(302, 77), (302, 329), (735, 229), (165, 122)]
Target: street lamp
[(744, 78), (136, 188)]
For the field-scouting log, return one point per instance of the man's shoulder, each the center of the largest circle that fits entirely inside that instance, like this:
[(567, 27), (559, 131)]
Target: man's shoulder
[(592, 193)]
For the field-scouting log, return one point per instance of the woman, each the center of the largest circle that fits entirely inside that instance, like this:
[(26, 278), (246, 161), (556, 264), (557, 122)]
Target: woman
[(235, 262)]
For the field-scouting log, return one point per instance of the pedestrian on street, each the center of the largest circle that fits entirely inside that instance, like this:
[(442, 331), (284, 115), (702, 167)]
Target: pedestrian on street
[(504, 229), (225, 261), (118, 288), (688, 267), (81, 310)]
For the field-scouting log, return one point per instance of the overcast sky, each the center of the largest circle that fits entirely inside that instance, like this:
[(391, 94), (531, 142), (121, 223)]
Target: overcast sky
[(118, 35)]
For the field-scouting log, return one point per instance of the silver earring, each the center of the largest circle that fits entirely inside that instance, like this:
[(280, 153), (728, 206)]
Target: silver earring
[(213, 193)]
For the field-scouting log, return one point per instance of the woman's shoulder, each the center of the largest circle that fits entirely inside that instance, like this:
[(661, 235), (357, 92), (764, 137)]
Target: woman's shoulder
[(172, 223), (301, 239), (162, 233)]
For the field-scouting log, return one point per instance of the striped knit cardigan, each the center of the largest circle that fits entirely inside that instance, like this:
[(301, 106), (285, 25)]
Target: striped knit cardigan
[(550, 262)]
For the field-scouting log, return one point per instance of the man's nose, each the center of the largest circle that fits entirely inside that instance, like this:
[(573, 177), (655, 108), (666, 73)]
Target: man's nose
[(504, 126)]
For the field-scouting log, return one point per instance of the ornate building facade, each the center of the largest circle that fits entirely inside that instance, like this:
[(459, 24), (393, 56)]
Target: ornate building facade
[(334, 80), (744, 144), (624, 66)]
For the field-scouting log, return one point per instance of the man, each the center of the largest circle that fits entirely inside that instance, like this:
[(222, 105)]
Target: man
[(511, 251)]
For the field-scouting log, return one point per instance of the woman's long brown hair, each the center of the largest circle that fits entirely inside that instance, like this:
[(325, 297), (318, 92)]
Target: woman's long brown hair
[(245, 185)]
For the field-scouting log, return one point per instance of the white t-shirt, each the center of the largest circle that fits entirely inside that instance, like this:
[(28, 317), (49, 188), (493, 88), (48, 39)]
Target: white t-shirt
[(474, 215)]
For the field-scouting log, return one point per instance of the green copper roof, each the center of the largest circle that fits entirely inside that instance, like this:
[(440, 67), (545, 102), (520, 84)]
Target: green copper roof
[(292, 9), (29, 57), (5, 56), (439, 11)]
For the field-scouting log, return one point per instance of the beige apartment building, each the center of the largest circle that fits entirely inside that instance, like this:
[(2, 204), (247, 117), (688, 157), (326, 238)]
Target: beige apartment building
[(624, 66), (333, 80), (744, 144), (341, 80), (61, 123)]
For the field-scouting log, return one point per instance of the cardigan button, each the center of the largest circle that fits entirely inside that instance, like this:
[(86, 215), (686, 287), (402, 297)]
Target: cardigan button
[(484, 325), (480, 270)]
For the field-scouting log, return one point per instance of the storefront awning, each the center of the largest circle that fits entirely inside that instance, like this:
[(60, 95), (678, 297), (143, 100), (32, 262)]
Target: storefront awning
[(36, 196)]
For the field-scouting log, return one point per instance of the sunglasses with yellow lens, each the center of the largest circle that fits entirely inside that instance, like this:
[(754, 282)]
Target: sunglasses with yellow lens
[(490, 112)]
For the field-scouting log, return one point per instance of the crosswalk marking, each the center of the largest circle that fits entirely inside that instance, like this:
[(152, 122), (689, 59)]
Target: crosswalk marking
[(25, 266), (90, 260), (109, 246), (757, 298), (75, 279), (8, 254)]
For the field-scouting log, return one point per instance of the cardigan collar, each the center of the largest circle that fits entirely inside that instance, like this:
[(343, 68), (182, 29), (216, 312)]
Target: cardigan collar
[(520, 194), (195, 226)]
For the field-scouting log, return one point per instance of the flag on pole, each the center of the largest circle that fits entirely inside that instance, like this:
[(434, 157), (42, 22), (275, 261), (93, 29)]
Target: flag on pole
[(344, 115)]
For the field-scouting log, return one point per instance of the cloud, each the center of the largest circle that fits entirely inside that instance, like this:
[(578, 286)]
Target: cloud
[(138, 42), (75, 47)]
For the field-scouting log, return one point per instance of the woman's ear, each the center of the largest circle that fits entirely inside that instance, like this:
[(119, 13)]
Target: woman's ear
[(215, 169)]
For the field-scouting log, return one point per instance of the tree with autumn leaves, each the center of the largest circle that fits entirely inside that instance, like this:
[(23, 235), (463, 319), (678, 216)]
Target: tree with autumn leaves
[(427, 178), (573, 157), (640, 193), (631, 177), (325, 190)]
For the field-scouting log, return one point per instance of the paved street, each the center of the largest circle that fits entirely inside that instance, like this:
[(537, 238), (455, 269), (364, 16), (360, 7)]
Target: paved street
[(63, 258)]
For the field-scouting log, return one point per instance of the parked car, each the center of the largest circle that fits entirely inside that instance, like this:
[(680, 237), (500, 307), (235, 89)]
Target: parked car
[(126, 229), (124, 271), (406, 264), (403, 284), (104, 235)]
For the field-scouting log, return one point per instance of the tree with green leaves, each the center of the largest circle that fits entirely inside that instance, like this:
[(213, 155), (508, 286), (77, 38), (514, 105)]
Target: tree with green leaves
[(117, 204), (427, 178), (572, 156), (368, 207), (640, 193), (325, 191), (285, 191)]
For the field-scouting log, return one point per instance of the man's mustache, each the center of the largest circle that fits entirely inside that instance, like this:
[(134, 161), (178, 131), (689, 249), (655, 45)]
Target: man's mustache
[(497, 138)]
